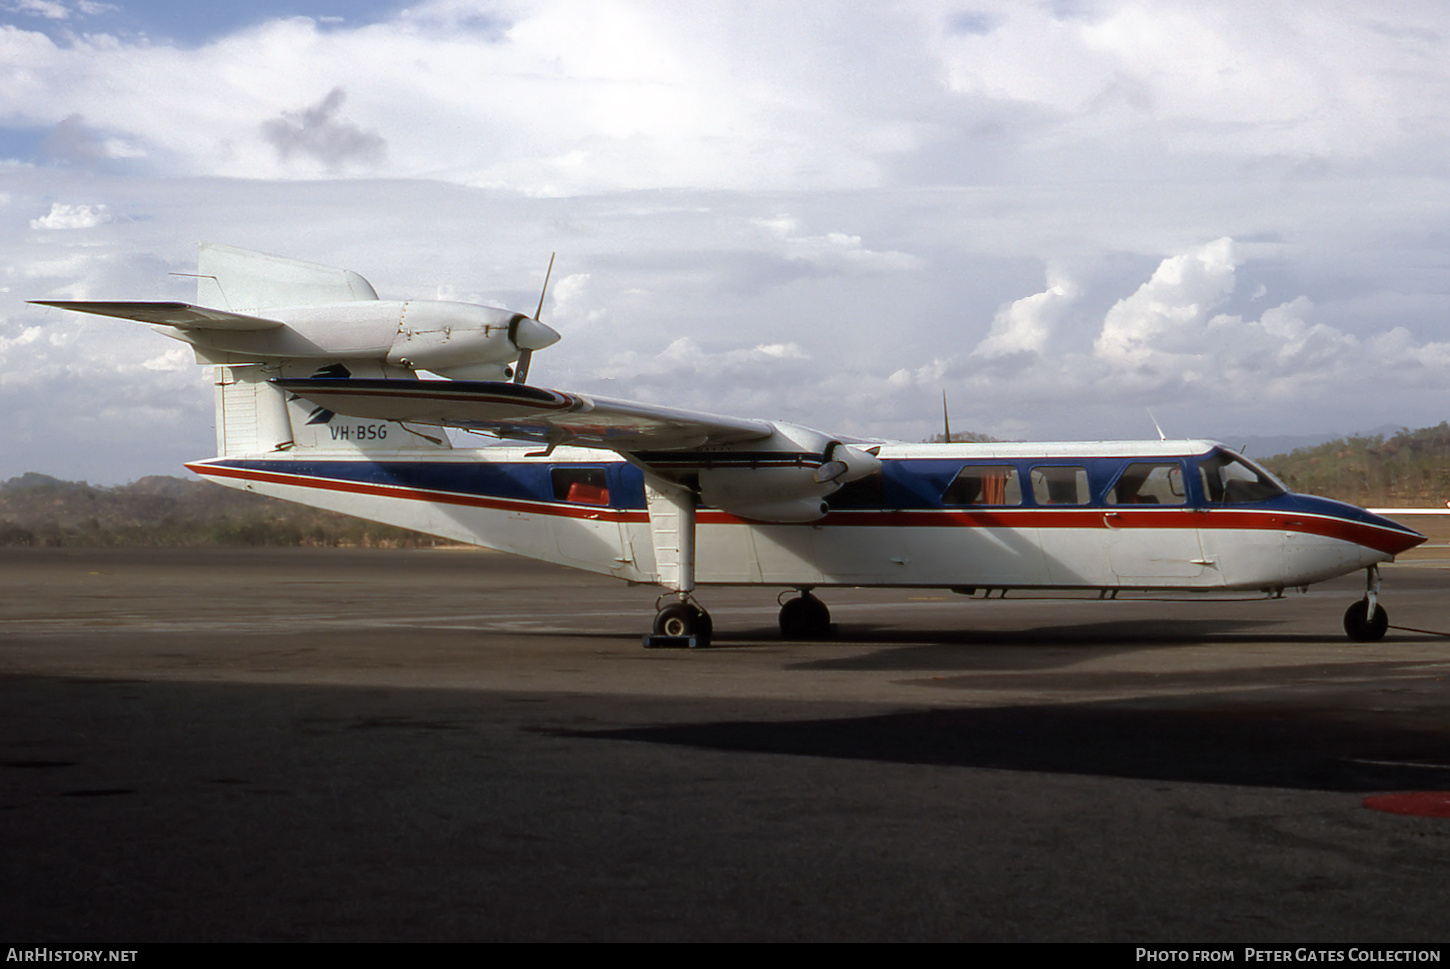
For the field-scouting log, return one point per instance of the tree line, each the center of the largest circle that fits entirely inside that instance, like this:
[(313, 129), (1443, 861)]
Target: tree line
[(40, 511), (1407, 468)]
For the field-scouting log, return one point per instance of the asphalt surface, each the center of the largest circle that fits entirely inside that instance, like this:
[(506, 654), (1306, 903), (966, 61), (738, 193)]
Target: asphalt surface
[(450, 744)]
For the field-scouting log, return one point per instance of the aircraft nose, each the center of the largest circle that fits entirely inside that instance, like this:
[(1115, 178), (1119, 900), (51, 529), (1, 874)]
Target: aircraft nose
[(1395, 537), (533, 335)]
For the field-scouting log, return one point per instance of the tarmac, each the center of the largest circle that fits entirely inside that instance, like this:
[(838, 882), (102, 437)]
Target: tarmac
[(332, 744)]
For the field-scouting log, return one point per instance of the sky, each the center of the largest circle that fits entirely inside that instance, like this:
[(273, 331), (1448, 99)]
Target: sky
[(1065, 215)]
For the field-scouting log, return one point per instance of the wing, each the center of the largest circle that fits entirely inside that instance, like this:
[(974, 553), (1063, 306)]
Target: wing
[(531, 413), (183, 316)]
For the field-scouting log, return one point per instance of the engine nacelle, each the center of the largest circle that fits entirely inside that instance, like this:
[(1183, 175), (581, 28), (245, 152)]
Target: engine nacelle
[(459, 340), (798, 512), (786, 478), (464, 341)]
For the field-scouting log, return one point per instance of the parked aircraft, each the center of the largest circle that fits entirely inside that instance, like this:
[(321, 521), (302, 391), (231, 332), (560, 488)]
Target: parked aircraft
[(319, 401)]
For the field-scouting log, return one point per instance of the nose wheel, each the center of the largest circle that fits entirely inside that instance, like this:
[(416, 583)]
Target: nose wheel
[(805, 617), (1366, 620)]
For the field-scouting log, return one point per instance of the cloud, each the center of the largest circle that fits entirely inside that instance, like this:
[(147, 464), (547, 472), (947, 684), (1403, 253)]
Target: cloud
[(836, 252), (49, 9), (685, 360), (1169, 309), (687, 374), (74, 142), (566, 97), (1167, 345), (88, 400), (1056, 212), (562, 97), (1025, 325), (63, 215), (1303, 82), (317, 133)]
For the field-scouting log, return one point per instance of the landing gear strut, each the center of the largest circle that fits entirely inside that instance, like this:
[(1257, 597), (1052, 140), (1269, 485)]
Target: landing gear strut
[(1366, 620), (679, 621), (805, 617)]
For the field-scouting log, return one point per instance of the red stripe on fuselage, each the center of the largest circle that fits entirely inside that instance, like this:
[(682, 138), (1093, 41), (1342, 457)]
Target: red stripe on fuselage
[(1387, 540), (558, 509)]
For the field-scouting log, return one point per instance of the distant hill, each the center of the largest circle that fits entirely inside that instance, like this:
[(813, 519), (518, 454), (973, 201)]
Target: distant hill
[(38, 510), (964, 437), (1402, 469)]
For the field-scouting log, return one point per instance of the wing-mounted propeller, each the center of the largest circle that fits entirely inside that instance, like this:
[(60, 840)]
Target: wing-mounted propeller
[(531, 334), (837, 460)]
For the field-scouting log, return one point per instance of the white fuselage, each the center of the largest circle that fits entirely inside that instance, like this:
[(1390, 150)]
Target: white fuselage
[(515, 500)]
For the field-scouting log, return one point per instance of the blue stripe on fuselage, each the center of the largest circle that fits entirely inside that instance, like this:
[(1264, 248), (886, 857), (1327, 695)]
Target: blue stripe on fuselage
[(906, 484)]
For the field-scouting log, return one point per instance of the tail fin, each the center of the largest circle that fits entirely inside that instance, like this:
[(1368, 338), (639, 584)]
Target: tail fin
[(255, 418), (238, 279)]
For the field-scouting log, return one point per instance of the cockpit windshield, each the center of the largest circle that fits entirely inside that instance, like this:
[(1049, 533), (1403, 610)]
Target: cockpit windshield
[(1232, 479)]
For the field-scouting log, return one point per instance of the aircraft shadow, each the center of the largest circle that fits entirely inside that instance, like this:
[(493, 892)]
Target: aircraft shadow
[(1043, 647), (1038, 647), (1300, 749), (1034, 648)]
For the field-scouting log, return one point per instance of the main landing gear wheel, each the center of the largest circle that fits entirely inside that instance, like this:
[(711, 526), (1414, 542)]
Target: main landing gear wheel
[(683, 619), (805, 617), (1366, 624)]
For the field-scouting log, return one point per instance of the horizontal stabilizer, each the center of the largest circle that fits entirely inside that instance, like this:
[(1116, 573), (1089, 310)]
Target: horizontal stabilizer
[(183, 316), (530, 413)]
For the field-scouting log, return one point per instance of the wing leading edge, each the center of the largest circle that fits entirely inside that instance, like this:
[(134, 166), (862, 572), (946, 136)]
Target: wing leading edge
[(183, 316), (519, 411)]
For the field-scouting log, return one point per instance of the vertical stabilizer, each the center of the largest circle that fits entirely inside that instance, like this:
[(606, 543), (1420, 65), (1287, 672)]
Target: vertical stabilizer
[(237, 279)]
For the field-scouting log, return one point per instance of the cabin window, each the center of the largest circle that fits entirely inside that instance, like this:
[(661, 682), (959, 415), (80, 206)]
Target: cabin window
[(1060, 485), (1149, 484), (985, 485), (1233, 480), (583, 486)]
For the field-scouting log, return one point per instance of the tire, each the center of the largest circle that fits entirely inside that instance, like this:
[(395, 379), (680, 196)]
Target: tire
[(683, 619), (805, 617), (1362, 627)]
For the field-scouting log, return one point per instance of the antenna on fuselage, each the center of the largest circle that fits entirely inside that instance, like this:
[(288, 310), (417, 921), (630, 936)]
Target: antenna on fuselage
[(946, 418), (1161, 435)]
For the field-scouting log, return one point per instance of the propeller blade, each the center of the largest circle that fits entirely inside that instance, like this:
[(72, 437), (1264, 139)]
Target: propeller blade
[(531, 335), (547, 273), (830, 471)]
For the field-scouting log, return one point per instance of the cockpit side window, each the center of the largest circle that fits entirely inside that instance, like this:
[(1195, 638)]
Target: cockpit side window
[(985, 485), (1149, 484), (1230, 479), (1060, 485)]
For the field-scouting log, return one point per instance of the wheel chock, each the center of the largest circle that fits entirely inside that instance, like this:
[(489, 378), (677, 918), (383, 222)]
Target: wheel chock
[(657, 641)]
